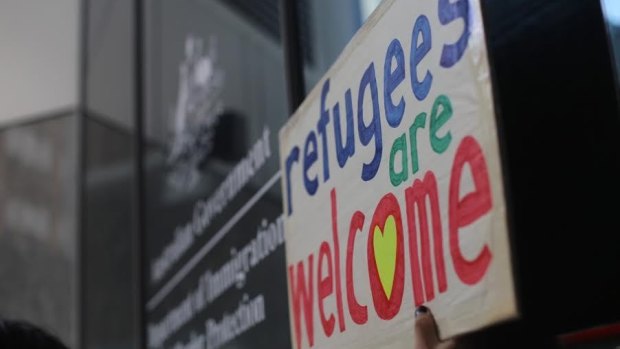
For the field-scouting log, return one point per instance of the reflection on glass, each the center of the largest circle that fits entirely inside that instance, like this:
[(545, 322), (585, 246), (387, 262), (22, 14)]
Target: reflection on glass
[(611, 9), (37, 225), (330, 25), (367, 6), (107, 237)]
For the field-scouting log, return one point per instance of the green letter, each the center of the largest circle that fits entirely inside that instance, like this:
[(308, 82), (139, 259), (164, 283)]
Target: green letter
[(419, 122), (400, 144), (440, 144)]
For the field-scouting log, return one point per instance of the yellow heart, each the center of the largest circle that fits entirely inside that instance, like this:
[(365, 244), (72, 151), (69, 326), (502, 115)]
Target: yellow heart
[(384, 243)]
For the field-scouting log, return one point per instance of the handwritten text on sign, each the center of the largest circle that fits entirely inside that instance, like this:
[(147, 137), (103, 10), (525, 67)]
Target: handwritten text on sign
[(392, 185)]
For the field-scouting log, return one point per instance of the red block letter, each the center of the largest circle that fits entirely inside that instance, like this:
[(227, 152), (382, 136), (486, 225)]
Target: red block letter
[(337, 261), (326, 287), (359, 313), (470, 208), (416, 195), (387, 307), (300, 293)]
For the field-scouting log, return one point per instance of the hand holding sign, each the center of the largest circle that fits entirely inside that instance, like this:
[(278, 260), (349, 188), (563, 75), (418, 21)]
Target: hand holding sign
[(427, 334)]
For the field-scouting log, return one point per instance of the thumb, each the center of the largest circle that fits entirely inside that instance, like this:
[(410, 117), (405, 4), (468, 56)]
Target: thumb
[(426, 333)]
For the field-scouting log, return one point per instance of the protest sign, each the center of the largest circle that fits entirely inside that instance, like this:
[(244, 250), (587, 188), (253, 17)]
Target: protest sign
[(392, 185)]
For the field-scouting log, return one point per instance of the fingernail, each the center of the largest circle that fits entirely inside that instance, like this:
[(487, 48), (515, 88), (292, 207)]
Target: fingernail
[(421, 310)]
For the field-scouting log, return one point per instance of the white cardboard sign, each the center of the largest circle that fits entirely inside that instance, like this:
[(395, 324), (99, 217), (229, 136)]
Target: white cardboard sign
[(392, 185)]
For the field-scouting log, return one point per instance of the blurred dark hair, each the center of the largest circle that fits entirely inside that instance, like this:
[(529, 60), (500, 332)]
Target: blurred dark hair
[(20, 334)]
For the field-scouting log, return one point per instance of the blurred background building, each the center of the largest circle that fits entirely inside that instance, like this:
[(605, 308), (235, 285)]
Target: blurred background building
[(68, 240)]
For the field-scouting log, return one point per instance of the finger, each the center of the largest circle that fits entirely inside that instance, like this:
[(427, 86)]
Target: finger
[(450, 344), (425, 329)]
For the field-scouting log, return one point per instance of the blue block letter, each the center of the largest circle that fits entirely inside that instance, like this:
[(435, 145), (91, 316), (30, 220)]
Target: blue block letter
[(449, 12), (418, 52), (391, 80), (373, 130)]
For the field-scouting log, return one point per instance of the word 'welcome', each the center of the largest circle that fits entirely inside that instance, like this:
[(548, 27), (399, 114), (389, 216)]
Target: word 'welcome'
[(315, 280)]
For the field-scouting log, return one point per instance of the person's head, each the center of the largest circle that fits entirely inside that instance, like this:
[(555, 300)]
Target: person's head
[(19, 334)]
